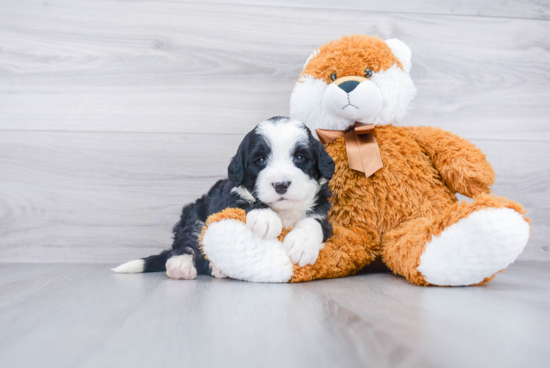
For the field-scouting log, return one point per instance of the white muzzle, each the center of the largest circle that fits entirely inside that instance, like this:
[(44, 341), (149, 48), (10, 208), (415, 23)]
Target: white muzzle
[(352, 98)]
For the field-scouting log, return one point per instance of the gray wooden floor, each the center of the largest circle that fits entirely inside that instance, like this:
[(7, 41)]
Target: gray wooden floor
[(76, 315)]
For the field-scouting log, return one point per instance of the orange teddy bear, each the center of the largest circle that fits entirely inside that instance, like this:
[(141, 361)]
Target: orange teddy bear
[(394, 188)]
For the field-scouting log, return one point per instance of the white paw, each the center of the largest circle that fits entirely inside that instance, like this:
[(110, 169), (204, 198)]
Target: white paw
[(216, 272), (265, 223), (181, 267), (474, 248), (304, 242)]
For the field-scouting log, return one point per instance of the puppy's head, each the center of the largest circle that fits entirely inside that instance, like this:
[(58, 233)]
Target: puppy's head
[(280, 164)]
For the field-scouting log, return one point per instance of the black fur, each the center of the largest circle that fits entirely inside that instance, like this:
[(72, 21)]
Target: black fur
[(320, 211), (244, 167), (243, 171)]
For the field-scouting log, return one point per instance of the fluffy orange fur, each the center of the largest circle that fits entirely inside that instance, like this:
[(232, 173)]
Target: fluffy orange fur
[(394, 213), (351, 55)]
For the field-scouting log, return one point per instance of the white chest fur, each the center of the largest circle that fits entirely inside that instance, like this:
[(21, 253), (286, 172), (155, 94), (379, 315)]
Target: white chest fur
[(291, 217)]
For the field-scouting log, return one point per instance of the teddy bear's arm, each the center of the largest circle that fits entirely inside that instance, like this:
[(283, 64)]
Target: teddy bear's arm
[(462, 165)]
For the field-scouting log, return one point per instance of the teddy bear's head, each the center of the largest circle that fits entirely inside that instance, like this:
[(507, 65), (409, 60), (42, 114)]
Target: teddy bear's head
[(354, 79)]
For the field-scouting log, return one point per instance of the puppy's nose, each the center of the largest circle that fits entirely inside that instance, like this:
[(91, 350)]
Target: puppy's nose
[(281, 187), (348, 86)]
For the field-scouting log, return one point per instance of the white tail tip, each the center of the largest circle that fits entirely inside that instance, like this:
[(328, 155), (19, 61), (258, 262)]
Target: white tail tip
[(135, 266)]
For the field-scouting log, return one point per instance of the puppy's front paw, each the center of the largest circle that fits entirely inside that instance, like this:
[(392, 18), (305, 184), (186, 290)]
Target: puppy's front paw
[(181, 267), (304, 242), (301, 247), (265, 223)]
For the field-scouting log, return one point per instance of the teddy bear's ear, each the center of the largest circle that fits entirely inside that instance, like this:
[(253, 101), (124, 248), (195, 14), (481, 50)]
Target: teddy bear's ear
[(402, 52), (313, 54)]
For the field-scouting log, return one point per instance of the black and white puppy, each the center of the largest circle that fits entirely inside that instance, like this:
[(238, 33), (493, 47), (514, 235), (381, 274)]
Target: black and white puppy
[(279, 177)]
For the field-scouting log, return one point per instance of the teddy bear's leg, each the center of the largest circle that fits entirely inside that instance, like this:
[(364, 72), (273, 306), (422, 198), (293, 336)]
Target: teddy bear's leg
[(234, 249), (467, 245), (239, 253)]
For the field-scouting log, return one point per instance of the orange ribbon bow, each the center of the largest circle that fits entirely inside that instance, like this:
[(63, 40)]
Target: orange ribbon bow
[(361, 147)]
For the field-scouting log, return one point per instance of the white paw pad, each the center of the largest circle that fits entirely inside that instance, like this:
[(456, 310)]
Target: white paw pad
[(304, 242), (181, 267), (265, 223), (475, 247)]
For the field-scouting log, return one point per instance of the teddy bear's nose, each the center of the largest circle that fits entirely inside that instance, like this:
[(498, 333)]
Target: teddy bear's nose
[(349, 85)]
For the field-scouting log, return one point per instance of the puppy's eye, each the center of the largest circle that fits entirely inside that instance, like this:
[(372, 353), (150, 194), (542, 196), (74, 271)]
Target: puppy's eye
[(261, 161), (368, 73), (333, 77), (298, 159)]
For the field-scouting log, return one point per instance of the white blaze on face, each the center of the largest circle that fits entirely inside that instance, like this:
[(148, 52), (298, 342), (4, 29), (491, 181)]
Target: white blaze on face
[(283, 137)]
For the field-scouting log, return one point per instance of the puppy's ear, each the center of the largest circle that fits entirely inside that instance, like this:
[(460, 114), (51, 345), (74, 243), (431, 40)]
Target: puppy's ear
[(325, 163), (236, 168)]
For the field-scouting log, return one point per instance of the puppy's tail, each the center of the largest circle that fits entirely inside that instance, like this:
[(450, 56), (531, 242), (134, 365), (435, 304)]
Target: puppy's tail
[(150, 264)]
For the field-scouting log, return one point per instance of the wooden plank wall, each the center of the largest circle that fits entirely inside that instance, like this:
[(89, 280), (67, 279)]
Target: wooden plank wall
[(115, 113)]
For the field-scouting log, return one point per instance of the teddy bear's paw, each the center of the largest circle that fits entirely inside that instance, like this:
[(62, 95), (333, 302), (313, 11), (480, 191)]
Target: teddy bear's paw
[(181, 267), (243, 255), (474, 248), (304, 242), (216, 272), (265, 223)]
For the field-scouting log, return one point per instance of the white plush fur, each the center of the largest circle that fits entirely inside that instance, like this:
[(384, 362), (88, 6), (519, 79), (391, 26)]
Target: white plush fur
[(264, 223), (283, 139), (402, 52), (135, 266), (304, 242), (181, 267), (243, 255), (363, 104), (306, 104), (398, 90), (475, 247)]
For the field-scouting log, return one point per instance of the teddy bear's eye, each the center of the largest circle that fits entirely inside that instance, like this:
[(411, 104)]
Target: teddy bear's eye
[(368, 73), (333, 77)]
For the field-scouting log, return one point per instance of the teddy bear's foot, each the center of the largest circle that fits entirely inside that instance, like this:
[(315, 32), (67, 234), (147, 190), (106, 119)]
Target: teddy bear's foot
[(475, 248), (242, 254), (466, 245)]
